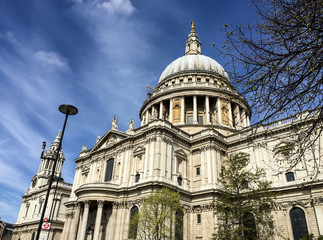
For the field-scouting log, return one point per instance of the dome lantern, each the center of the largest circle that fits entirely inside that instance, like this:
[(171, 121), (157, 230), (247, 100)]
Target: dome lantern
[(193, 45)]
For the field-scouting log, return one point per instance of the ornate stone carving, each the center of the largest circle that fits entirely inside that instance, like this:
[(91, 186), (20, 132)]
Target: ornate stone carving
[(100, 203), (317, 200), (87, 204)]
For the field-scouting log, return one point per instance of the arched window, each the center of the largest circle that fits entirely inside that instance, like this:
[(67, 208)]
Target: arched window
[(179, 180), (249, 225), (137, 177), (179, 225), (298, 221), (109, 170), (133, 224)]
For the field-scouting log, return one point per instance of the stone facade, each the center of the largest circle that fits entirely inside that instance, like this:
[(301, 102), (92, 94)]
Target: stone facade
[(191, 121)]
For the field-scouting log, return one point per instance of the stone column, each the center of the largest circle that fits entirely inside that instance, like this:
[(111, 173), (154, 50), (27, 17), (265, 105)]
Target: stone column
[(230, 115), (185, 174), (244, 118), (147, 116), (75, 222), (195, 110), (171, 110), (219, 111), (183, 110), (207, 109), (85, 218), (209, 165), (161, 110), (113, 217), (248, 120), (238, 120), (98, 220), (153, 110), (66, 228)]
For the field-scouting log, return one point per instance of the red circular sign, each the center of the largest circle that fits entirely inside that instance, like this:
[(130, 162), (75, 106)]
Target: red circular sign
[(45, 220)]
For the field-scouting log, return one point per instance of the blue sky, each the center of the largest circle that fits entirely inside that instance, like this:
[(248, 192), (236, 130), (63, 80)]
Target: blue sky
[(98, 55)]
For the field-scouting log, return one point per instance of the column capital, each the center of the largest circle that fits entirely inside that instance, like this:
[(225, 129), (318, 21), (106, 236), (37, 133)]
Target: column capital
[(87, 203), (77, 205), (100, 203)]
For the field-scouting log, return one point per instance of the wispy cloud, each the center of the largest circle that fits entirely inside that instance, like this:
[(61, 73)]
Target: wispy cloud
[(118, 6), (52, 58)]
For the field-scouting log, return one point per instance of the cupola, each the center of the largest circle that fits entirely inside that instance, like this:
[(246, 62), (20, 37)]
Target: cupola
[(194, 93)]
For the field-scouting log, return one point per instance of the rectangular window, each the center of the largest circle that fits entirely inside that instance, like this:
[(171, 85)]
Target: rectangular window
[(198, 171), (198, 218), (109, 170), (290, 177), (244, 184), (198, 79), (189, 119), (200, 120)]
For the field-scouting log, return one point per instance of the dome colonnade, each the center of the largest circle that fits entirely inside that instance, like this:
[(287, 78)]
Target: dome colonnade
[(196, 90)]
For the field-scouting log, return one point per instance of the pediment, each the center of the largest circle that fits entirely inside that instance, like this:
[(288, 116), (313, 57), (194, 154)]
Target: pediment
[(139, 150), (85, 169), (109, 139), (180, 153)]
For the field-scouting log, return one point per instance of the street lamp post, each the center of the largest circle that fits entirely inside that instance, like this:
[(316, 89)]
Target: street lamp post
[(67, 110)]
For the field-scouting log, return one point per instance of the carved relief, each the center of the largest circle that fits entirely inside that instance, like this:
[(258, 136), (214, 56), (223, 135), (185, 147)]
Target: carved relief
[(111, 141)]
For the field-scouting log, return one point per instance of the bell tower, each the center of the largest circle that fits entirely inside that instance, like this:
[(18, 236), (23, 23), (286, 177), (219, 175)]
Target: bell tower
[(46, 165)]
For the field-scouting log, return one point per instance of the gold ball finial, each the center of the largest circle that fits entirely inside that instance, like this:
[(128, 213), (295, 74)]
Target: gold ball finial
[(192, 27)]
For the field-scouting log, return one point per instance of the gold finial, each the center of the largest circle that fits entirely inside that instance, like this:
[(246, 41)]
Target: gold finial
[(59, 133), (192, 27)]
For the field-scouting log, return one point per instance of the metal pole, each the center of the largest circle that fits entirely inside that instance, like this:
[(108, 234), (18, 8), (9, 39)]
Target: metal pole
[(67, 110), (51, 180)]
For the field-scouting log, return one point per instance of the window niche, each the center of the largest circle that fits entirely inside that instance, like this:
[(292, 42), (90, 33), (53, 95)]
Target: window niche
[(85, 172), (109, 170), (138, 159)]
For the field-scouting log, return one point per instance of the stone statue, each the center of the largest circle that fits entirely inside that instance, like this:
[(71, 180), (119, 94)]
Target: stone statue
[(131, 124), (83, 148), (192, 27), (98, 138), (114, 123), (155, 114)]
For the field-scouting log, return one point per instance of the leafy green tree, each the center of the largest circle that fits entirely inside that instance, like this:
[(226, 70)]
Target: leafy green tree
[(277, 63), (159, 216), (245, 204)]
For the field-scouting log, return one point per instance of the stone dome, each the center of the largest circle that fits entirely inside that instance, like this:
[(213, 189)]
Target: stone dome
[(190, 62)]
